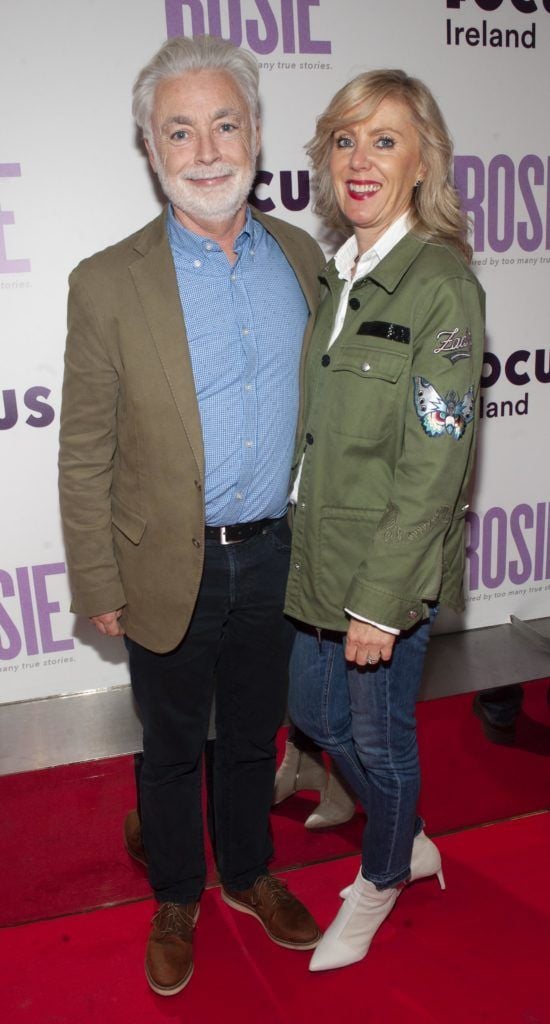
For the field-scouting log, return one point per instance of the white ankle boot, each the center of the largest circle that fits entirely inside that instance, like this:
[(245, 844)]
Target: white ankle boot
[(337, 803), (298, 770), (425, 861), (349, 936)]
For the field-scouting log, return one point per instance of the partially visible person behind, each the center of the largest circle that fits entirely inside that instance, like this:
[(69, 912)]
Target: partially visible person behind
[(382, 469), (180, 404), (303, 768), (498, 710)]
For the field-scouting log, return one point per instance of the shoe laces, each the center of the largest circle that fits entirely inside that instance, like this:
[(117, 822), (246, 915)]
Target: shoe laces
[(272, 889), (174, 919)]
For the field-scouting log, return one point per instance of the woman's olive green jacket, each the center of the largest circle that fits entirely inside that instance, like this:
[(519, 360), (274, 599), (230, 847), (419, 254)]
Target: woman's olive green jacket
[(388, 435)]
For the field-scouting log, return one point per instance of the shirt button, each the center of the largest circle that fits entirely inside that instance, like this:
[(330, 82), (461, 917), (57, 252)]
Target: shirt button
[(365, 367), (239, 496), (248, 444), (325, 361), (413, 614), (208, 246), (196, 542), (354, 303), (309, 438), (248, 387), (245, 330), (197, 263), (233, 277)]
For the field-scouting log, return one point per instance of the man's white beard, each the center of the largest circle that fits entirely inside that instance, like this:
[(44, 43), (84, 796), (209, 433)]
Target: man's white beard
[(217, 203)]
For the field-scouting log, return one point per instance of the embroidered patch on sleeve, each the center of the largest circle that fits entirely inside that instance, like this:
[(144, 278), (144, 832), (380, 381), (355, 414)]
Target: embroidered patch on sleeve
[(454, 345), (448, 415)]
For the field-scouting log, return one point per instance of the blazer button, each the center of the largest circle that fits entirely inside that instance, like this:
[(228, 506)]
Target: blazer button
[(196, 542), (354, 303), (198, 485)]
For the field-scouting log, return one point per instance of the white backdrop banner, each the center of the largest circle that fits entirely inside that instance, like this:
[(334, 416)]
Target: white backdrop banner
[(74, 179)]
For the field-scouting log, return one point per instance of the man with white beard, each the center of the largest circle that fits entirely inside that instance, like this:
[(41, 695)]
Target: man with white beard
[(180, 404)]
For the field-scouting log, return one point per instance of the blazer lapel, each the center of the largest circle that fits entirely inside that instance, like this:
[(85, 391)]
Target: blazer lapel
[(295, 254), (156, 285)]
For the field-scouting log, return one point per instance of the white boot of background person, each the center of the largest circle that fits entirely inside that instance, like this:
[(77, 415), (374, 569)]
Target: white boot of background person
[(299, 769), (337, 803)]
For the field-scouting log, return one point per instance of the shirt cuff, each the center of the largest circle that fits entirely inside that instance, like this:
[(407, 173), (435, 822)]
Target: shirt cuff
[(386, 629)]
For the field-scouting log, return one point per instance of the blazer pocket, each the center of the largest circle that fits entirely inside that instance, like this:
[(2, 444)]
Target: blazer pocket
[(128, 522)]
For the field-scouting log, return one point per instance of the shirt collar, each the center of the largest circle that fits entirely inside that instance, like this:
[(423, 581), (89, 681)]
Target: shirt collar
[(191, 243), (347, 253)]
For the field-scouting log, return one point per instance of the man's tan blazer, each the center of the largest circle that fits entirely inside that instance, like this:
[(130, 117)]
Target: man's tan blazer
[(131, 457)]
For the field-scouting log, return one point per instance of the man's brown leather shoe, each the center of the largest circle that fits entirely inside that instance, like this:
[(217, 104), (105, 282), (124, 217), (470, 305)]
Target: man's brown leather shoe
[(284, 918), (132, 838), (169, 957)]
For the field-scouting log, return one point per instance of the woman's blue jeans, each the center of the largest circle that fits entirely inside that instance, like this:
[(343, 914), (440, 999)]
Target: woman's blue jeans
[(365, 719)]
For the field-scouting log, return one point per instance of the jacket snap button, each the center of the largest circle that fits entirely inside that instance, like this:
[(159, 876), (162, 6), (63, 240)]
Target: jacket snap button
[(325, 361), (309, 438), (413, 614), (354, 303), (365, 367)]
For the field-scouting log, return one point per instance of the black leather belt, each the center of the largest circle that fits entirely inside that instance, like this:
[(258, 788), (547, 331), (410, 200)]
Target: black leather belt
[(237, 533)]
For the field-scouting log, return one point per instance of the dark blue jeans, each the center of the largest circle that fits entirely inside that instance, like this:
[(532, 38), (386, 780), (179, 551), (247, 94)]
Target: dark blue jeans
[(237, 646), (365, 719)]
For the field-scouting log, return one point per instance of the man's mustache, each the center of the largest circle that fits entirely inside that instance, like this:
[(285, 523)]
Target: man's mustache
[(201, 173)]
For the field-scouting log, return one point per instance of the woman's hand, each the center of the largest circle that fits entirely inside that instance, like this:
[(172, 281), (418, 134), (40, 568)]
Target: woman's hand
[(366, 644)]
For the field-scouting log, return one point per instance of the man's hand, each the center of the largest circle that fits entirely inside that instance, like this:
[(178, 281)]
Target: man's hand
[(108, 623), (366, 644)]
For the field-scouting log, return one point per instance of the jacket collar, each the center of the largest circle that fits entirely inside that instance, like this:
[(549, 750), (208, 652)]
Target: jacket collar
[(389, 272), (155, 235)]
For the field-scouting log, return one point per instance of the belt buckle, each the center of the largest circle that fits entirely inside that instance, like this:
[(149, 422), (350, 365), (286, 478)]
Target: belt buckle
[(223, 538)]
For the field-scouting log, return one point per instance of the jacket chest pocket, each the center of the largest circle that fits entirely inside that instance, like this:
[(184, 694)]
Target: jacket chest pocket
[(367, 390)]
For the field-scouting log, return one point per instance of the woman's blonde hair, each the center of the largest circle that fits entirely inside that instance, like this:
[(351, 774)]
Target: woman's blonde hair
[(435, 205)]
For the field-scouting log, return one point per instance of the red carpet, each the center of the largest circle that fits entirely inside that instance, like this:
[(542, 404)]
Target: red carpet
[(61, 828), (466, 780), (475, 953)]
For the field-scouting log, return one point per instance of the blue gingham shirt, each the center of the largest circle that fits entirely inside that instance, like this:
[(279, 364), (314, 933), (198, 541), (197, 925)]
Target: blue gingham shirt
[(245, 324)]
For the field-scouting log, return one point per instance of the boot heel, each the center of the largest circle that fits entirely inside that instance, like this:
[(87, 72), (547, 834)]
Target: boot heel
[(425, 862)]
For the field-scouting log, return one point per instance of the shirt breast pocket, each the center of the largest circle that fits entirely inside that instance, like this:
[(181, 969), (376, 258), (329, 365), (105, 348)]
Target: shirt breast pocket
[(367, 390)]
